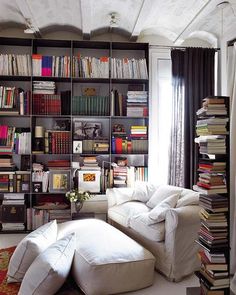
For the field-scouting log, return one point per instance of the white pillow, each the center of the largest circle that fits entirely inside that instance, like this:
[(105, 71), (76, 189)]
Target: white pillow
[(190, 198), (144, 218), (158, 213), (143, 191), (123, 194), (163, 192), (50, 269), (29, 248)]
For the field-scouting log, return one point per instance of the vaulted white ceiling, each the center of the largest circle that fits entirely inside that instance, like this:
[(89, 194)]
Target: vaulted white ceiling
[(176, 20)]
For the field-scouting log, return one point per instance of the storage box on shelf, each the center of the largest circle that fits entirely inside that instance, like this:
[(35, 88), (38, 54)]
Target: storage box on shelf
[(213, 182), (58, 103)]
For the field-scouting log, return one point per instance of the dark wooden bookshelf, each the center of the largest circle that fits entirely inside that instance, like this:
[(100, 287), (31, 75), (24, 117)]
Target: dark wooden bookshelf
[(73, 84)]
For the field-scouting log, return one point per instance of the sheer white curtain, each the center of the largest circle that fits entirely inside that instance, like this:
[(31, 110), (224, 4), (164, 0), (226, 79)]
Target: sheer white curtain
[(231, 68), (160, 115)]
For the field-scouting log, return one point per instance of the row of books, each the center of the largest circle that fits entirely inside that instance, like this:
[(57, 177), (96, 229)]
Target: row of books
[(51, 66), (15, 140), (47, 104), (213, 235), (120, 145), (37, 217), (85, 67), (90, 67), (14, 101), (57, 142), (129, 68), (14, 181), (15, 64), (91, 105)]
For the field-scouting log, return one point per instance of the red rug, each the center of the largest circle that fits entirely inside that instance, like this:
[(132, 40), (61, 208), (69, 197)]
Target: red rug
[(6, 289)]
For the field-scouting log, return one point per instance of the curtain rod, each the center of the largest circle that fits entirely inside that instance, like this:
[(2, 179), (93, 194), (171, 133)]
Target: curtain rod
[(174, 47)]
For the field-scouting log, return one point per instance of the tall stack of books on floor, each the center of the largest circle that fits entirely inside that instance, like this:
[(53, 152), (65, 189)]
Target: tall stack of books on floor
[(213, 184)]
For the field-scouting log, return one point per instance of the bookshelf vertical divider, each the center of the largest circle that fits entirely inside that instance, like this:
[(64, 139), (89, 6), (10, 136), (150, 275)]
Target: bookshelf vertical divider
[(71, 88)]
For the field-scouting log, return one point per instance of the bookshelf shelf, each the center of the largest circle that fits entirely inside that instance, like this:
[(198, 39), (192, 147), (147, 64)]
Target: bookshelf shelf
[(15, 78), (50, 115)]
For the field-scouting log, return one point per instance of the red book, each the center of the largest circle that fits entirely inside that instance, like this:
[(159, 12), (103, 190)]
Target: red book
[(118, 145)]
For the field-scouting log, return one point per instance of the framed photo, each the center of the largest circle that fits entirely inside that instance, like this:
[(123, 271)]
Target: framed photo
[(25, 186), (37, 187), (87, 130), (59, 181), (77, 146), (90, 181)]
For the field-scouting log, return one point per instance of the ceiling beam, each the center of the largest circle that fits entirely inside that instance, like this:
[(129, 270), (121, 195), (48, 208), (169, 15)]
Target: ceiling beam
[(204, 11), (27, 14), (141, 18), (86, 16)]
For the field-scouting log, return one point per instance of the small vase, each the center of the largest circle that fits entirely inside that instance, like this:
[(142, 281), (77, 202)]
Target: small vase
[(76, 207)]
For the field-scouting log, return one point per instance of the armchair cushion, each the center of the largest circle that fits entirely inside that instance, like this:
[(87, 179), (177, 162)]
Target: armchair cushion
[(163, 192), (188, 198), (142, 224), (158, 213), (122, 213)]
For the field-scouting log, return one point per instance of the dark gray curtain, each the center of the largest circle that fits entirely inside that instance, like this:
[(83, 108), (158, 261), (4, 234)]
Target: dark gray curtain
[(176, 159), (197, 81)]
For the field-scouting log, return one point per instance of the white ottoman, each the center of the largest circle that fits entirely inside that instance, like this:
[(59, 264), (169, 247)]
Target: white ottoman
[(107, 261)]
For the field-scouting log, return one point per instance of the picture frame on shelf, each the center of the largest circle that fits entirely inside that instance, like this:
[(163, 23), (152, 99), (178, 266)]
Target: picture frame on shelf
[(59, 181), (25, 187), (90, 181), (87, 130), (77, 147), (37, 187)]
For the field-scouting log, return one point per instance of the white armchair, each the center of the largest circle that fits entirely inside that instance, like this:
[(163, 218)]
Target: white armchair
[(172, 241)]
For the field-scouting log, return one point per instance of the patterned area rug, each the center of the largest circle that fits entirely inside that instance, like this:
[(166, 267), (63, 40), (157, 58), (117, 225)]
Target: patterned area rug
[(69, 288), (6, 289)]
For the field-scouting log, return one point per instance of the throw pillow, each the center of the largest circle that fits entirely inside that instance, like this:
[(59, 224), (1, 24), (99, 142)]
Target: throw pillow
[(123, 194), (29, 248), (189, 198), (143, 191), (163, 192), (158, 213), (50, 269)]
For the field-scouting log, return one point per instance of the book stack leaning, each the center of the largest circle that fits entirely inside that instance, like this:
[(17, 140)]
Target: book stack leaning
[(213, 183)]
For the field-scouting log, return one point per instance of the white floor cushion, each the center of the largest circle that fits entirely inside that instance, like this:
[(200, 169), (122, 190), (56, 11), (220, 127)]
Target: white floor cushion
[(107, 261), (50, 269), (29, 248)]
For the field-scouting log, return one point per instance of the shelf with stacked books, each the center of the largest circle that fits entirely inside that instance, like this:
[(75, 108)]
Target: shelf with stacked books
[(212, 132), (68, 95)]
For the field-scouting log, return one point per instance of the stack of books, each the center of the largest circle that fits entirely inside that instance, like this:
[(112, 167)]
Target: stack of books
[(137, 103), (213, 235), (14, 101), (212, 126), (44, 87), (120, 176), (213, 106), (6, 164), (211, 144), (90, 163), (15, 64), (90, 67), (51, 66), (138, 131), (58, 164), (61, 215), (129, 68)]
